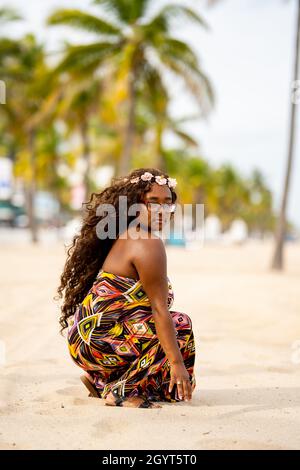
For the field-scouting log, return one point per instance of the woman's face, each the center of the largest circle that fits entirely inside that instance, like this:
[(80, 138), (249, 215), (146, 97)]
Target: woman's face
[(159, 194)]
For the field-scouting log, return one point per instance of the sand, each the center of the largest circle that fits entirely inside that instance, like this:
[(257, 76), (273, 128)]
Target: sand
[(246, 321)]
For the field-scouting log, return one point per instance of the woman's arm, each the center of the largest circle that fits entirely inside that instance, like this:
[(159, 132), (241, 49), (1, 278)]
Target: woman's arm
[(150, 261)]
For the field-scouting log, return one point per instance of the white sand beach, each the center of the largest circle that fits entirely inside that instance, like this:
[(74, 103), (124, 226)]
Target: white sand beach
[(246, 320)]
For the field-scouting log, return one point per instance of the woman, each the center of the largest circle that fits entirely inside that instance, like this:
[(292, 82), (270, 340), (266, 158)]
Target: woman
[(134, 350)]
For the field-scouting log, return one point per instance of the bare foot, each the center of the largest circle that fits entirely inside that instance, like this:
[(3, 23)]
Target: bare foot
[(129, 402)]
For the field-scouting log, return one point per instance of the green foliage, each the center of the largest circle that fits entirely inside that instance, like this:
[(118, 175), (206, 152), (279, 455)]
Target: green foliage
[(87, 92)]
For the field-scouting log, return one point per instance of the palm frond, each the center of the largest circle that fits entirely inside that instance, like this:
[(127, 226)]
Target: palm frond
[(153, 80), (79, 19), (177, 50), (47, 108), (188, 139), (189, 118), (196, 81), (9, 47), (87, 56), (162, 19), (180, 58), (8, 14), (126, 11)]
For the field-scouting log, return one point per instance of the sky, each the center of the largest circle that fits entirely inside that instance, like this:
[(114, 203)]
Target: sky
[(248, 56)]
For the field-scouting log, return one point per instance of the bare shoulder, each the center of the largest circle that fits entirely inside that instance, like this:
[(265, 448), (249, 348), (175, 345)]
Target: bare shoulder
[(148, 252), (149, 245)]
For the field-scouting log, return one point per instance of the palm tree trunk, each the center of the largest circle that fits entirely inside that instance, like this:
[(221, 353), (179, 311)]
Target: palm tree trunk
[(160, 159), (278, 262), (87, 158), (31, 189), (130, 127)]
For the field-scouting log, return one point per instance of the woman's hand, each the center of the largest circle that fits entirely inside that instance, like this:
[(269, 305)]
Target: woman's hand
[(181, 378)]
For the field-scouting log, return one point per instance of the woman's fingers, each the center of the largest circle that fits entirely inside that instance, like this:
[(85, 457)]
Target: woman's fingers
[(180, 389), (187, 390), (182, 381), (171, 385)]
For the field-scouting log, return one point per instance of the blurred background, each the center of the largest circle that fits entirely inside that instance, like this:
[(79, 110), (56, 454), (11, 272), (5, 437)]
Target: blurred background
[(208, 91), (204, 90)]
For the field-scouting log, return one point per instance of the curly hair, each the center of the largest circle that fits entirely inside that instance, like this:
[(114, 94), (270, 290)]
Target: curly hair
[(87, 251)]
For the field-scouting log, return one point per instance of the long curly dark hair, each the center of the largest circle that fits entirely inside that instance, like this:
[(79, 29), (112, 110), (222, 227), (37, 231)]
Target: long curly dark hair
[(87, 252)]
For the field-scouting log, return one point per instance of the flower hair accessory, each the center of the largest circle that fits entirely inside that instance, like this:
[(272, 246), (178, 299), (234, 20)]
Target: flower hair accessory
[(159, 179)]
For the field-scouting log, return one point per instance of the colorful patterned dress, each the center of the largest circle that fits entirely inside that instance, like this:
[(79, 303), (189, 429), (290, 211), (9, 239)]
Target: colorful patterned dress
[(113, 337)]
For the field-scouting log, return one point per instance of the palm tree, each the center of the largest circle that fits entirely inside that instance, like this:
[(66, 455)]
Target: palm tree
[(258, 210), (8, 14), (8, 47), (231, 194), (152, 114), (130, 38), (24, 117), (79, 102), (278, 262)]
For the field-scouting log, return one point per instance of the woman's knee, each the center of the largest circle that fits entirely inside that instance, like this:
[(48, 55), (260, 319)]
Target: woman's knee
[(181, 319)]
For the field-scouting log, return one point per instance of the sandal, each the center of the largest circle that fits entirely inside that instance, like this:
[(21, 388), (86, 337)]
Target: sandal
[(90, 386), (119, 400), (145, 404), (154, 398)]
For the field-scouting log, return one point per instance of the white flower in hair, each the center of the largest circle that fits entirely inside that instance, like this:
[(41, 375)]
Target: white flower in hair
[(146, 176), (172, 182), (135, 180), (160, 180)]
